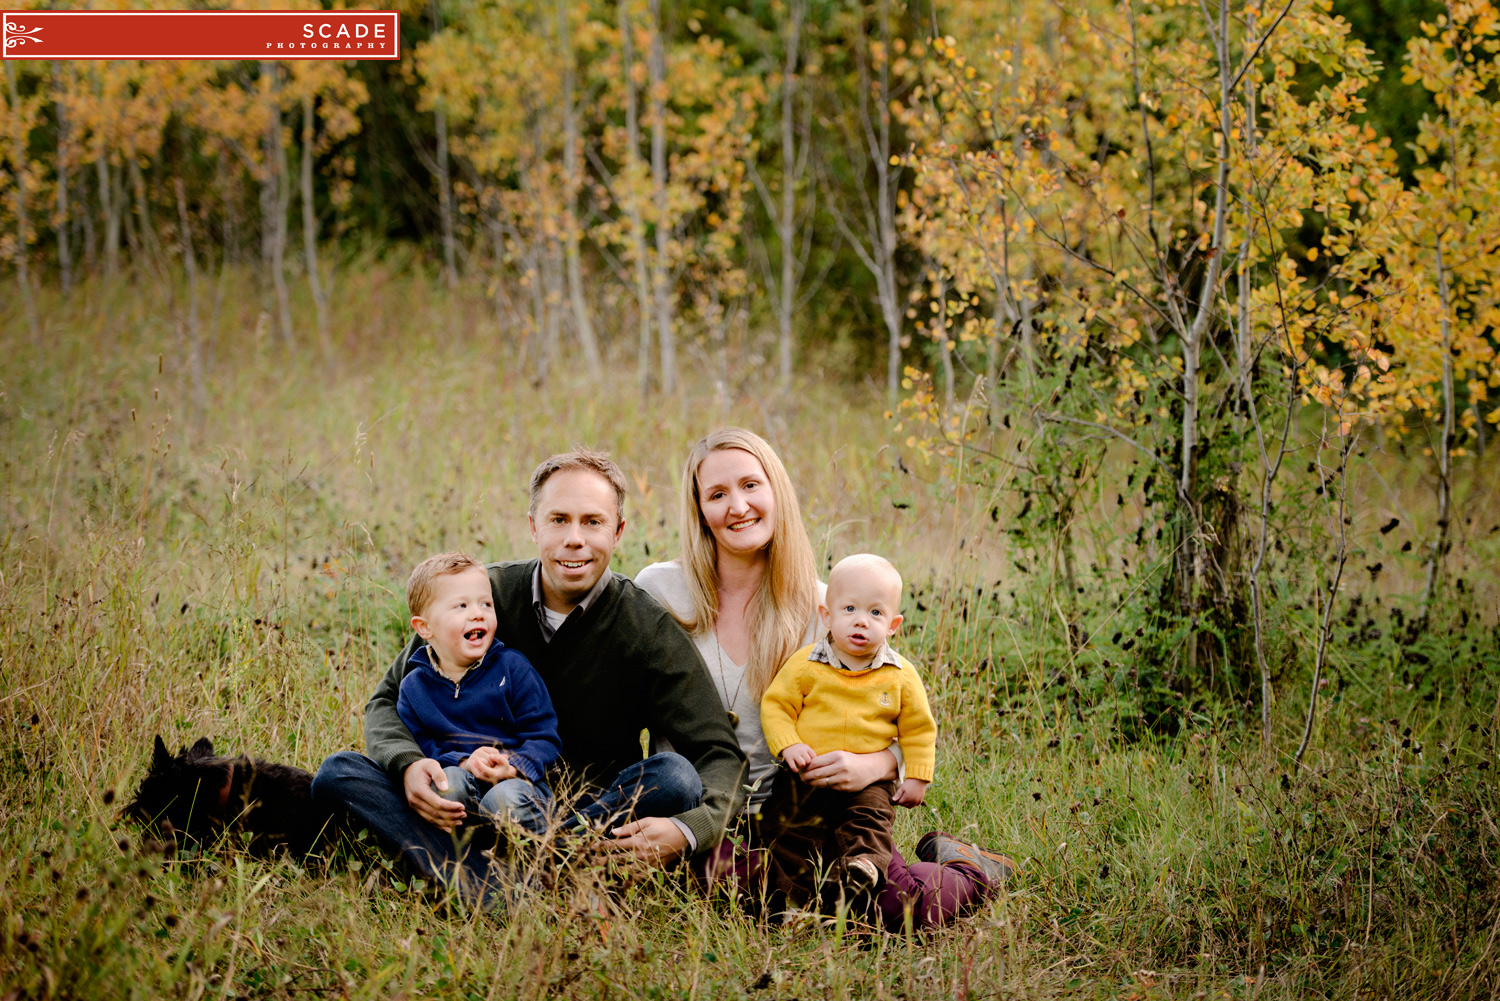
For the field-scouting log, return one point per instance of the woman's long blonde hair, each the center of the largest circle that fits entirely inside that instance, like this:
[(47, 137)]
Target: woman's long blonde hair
[(779, 612)]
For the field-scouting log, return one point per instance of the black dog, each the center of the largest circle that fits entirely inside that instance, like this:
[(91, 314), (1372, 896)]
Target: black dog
[(197, 796)]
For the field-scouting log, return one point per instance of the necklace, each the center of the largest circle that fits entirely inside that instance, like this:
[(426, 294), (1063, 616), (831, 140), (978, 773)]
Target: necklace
[(729, 701)]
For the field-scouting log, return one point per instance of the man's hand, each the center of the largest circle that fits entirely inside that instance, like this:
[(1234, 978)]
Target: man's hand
[(847, 771), (419, 778), (656, 840), (798, 757), (489, 764), (910, 793)]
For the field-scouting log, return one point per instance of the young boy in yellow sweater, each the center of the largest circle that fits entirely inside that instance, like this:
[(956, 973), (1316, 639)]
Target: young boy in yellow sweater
[(848, 692)]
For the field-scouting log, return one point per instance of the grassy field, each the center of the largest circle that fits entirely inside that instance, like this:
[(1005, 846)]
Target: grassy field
[(228, 562)]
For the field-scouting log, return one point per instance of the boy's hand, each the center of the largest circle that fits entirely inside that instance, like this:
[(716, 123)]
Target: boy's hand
[(910, 793), (798, 757), (489, 764), (419, 778)]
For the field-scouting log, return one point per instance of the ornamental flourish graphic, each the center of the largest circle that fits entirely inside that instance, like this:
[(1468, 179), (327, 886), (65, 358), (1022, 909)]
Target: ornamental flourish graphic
[(16, 35)]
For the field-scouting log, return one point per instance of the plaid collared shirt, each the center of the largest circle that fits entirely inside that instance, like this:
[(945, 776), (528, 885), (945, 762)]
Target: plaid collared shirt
[(823, 653)]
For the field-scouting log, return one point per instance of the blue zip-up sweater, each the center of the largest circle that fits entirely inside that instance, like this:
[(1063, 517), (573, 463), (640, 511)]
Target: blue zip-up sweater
[(499, 702)]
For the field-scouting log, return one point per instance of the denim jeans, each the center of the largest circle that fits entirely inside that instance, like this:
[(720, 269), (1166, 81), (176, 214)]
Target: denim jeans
[(510, 801), (663, 785)]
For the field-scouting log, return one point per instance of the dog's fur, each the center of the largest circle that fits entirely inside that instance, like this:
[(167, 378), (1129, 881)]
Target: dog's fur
[(197, 796)]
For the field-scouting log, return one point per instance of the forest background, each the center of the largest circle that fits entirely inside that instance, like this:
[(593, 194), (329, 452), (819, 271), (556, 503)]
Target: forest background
[(1152, 340)]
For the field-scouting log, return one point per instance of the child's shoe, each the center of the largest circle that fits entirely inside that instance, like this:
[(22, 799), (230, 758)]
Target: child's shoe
[(945, 849), (860, 876)]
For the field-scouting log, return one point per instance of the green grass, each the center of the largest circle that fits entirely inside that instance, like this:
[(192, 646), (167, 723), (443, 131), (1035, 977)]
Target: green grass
[(234, 570)]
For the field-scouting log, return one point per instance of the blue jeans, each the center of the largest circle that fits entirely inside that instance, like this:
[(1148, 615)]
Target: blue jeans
[(663, 785), (510, 801)]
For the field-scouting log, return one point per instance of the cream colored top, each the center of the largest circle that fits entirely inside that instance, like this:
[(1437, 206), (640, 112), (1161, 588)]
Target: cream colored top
[(667, 584)]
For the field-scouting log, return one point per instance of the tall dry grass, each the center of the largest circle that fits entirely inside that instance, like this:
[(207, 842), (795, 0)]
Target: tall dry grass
[(232, 569)]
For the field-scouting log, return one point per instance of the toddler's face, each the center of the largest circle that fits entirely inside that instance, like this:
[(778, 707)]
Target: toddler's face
[(459, 620), (863, 609)]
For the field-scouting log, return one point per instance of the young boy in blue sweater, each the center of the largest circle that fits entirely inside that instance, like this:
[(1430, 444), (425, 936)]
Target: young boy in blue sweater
[(473, 704)]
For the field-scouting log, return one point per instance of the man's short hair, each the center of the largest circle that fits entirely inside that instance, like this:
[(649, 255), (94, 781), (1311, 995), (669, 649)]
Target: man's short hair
[(419, 584), (580, 458)]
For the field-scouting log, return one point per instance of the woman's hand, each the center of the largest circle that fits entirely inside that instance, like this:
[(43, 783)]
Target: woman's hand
[(419, 778), (656, 840), (849, 772)]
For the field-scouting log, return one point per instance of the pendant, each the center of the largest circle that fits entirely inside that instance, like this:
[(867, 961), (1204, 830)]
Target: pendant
[(734, 719)]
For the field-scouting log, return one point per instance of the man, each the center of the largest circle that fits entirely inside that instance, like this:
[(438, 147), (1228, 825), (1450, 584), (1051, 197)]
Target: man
[(614, 662)]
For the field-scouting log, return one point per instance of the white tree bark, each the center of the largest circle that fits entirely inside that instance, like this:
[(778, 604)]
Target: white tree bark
[(632, 207), (572, 183), (64, 165), (194, 333), (23, 221), (660, 269), (1445, 442), (310, 229)]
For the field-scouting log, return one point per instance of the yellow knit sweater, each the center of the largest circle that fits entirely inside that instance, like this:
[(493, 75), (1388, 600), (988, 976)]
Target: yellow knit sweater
[(830, 709)]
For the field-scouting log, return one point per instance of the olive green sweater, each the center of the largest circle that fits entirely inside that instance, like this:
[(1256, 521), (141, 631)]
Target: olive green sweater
[(620, 666)]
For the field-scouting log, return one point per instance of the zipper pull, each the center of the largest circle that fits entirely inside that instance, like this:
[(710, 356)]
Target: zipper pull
[(455, 690)]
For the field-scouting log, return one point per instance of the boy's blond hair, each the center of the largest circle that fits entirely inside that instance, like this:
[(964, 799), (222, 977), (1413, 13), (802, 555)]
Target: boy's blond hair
[(419, 584)]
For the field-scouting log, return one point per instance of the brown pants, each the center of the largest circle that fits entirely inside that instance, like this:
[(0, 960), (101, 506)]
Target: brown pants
[(809, 829)]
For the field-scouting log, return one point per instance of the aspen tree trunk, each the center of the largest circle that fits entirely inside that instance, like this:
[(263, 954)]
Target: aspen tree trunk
[(879, 257), (1191, 557), (195, 336), (992, 356), (572, 182), (539, 323), (940, 332), (660, 276), (445, 195), (150, 243), (554, 273), (127, 218), (310, 229), (1028, 327), (275, 199), (786, 220), (499, 298), (890, 306), (23, 222), (64, 162), (109, 206), (1244, 347), (278, 249), (442, 172), (90, 236), (1445, 462), (633, 208)]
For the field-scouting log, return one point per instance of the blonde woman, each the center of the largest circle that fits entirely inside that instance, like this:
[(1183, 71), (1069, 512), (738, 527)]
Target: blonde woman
[(747, 591)]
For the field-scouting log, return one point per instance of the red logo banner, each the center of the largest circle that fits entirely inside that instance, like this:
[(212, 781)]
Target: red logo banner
[(201, 34)]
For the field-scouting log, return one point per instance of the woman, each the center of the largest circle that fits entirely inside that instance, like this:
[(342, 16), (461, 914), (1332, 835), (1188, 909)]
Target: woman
[(747, 592)]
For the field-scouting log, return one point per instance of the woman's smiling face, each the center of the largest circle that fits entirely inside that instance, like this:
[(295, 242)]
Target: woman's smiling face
[(736, 501)]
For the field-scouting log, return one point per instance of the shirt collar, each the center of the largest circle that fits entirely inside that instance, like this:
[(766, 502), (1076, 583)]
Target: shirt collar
[(539, 606), (424, 657), (823, 653)]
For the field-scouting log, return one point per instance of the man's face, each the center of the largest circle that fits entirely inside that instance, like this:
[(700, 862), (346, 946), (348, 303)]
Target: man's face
[(576, 526)]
